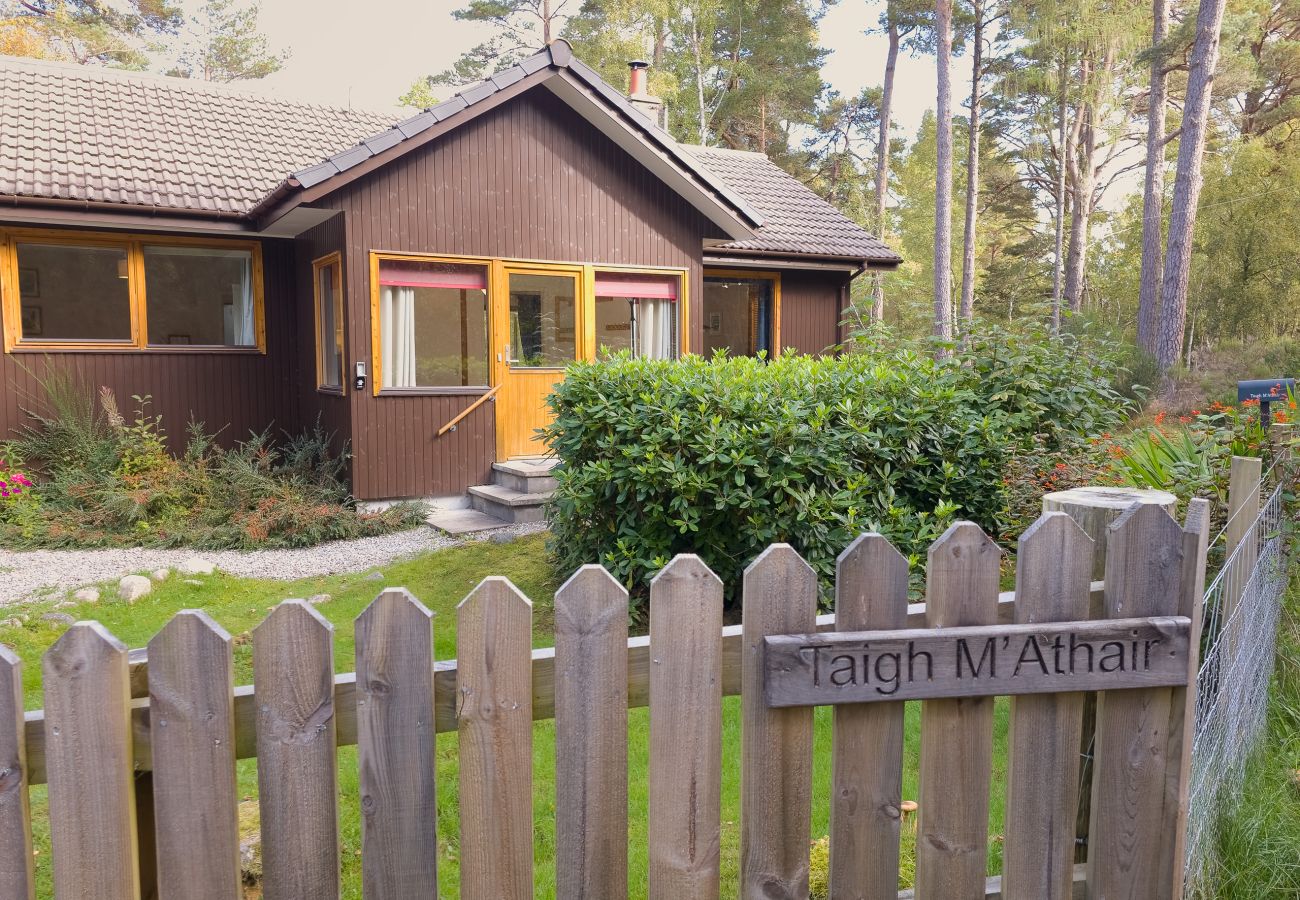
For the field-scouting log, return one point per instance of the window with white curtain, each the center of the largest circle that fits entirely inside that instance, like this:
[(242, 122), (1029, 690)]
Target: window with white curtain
[(433, 324), (637, 313), (199, 295)]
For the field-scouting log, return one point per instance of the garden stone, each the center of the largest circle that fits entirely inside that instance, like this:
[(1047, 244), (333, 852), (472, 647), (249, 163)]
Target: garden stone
[(160, 574), (375, 576), (193, 581), (196, 565), (501, 537), (87, 595), (133, 587), (12, 623), (61, 618), (318, 599)]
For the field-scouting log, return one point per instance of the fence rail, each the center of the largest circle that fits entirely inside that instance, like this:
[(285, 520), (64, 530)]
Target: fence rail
[(193, 725)]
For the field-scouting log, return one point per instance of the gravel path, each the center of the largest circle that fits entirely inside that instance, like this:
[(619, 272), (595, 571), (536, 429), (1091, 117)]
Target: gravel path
[(30, 574)]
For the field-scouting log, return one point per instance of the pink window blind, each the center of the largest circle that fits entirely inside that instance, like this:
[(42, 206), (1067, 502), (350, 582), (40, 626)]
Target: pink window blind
[(649, 287), (396, 273)]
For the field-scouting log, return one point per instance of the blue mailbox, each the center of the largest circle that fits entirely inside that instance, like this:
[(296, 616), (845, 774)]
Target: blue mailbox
[(1266, 391)]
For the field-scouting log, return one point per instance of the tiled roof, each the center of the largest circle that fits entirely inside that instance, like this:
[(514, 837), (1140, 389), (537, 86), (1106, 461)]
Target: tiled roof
[(795, 220), (79, 133), (104, 136)]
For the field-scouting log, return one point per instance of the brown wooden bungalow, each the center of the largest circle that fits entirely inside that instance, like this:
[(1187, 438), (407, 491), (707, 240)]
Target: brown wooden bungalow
[(187, 241)]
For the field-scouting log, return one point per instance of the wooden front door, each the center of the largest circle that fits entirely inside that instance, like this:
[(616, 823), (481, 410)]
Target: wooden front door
[(538, 316)]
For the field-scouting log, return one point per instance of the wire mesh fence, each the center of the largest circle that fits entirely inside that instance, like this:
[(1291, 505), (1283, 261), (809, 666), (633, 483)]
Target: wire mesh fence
[(1242, 608)]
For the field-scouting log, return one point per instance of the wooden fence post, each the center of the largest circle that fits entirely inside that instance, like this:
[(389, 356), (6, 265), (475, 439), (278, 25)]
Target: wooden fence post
[(591, 737), (1144, 573), (1053, 575), (395, 748), (494, 641), (1243, 508), (17, 879), (1182, 722), (685, 731), (89, 761), (192, 728), (779, 597), (297, 760), (867, 745), (1095, 509), (957, 734)]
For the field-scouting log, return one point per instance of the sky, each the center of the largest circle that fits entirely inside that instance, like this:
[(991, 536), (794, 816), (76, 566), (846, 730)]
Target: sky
[(347, 53)]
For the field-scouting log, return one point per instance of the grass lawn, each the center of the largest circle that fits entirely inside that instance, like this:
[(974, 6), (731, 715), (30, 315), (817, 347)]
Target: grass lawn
[(440, 580)]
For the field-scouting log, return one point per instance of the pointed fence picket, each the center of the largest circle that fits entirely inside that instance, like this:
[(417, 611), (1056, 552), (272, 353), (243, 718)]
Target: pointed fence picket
[(189, 724)]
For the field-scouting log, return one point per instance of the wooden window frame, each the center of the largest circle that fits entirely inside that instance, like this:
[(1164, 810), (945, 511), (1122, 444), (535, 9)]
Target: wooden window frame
[(753, 275), (495, 266), (334, 259), (133, 244)]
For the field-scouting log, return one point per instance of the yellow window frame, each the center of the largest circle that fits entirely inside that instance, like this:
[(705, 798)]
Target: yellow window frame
[(334, 260), (753, 275), (133, 244), (496, 282)]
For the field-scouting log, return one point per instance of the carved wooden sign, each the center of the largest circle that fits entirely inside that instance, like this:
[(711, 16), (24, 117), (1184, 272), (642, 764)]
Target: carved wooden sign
[(977, 661)]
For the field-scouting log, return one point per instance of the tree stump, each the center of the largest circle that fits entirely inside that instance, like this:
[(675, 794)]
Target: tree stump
[(1095, 508)]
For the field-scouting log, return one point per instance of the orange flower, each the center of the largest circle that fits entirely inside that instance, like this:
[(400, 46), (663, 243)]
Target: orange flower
[(1060, 465), (1160, 417), (1184, 419), (1196, 412)]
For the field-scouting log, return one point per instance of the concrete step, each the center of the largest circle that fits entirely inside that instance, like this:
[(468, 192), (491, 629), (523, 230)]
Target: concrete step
[(528, 476), (508, 504), (463, 521)]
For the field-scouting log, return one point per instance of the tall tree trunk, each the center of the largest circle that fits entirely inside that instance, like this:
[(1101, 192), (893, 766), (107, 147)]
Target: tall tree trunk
[(703, 137), (1083, 173), (972, 170), (1187, 183), (882, 158), (546, 22), (1063, 152), (943, 177), (1153, 192)]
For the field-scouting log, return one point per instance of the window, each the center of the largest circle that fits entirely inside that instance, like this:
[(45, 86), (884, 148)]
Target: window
[(70, 293), (66, 290), (637, 313), (327, 274), (433, 324), (543, 320), (199, 295), (741, 313)]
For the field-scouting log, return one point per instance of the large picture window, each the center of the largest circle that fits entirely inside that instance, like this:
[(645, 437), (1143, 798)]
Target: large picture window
[(741, 313), (105, 291), (199, 295), (70, 293), (433, 324), (327, 273)]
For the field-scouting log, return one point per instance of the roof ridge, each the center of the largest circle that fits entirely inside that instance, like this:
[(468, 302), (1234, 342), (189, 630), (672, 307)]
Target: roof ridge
[(176, 82)]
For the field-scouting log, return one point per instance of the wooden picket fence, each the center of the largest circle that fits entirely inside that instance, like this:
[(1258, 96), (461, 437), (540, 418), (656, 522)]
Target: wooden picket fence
[(142, 793)]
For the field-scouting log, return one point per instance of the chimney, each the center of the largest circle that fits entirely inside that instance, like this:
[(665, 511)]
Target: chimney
[(638, 93)]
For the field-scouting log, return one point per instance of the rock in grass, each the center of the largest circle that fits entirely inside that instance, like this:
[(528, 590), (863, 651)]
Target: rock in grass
[(133, 587), (193, 581), (375, 576), (502, 537), (160, 574), (197, 565), (87, 595), (61, 618), (318, 599)]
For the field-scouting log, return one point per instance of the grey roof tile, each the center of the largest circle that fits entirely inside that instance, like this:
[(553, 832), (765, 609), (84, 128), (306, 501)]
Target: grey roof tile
[(795, 220), (82, 133)]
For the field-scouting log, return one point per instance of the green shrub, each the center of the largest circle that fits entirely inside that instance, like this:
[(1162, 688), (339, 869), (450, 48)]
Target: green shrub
[(722, 457), (99, 481)]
